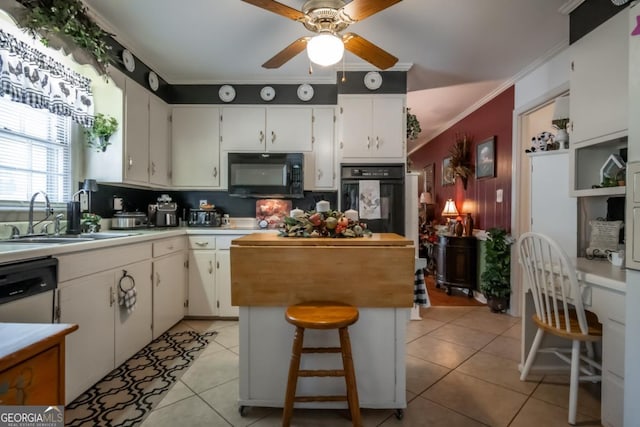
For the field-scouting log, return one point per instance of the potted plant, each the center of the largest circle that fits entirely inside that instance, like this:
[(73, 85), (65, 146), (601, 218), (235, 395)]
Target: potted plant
[(495, 280), (98, 135), (460, 164), (562, 137), (413, 126)]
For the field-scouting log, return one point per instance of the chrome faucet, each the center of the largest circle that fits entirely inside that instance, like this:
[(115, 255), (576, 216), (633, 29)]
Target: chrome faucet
[(48, 210)]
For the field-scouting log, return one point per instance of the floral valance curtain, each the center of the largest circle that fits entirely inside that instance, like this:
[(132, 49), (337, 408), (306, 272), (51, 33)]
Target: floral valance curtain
[(32, 77)]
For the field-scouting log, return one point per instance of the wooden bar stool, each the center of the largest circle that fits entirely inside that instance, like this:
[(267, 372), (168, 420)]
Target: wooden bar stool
[(321, 315)]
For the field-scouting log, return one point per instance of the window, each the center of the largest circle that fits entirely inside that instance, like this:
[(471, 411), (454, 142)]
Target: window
[(35, 153)]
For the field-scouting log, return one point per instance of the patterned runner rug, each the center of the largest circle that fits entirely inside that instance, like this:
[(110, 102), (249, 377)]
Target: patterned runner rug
[(128, 394)]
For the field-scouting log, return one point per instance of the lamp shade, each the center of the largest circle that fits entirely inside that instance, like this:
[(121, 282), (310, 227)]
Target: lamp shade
[(426, 198), (90, 185), (561, 108), (325, 49), (450, 208)]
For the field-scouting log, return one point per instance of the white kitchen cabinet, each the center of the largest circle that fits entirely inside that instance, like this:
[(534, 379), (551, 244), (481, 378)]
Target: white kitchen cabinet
[(276, 129), (108, 334), (599, 81), (159, 142), (168, 284), (210, 276), (372, 127), (195, 145), (319, 169), (136, 137)]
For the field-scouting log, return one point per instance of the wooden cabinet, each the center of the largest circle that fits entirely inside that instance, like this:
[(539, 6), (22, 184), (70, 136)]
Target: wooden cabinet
[(457, 261), (599, 81), (277, 129), (168, 284), (32, 363), (196, 139), (372, 127), (319, 165), (210, 277), (108, 334)]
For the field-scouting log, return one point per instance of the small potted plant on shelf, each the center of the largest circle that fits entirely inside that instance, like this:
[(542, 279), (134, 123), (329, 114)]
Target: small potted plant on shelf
[(495, 280), (98, 135)]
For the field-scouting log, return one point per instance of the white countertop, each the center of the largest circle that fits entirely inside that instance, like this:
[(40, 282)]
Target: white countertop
[(601, 272), (12, 252)]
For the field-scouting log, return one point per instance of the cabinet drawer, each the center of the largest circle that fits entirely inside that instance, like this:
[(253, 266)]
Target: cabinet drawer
[(89, 262), (202, 242), (167, 246), (613, 348), (224, 242), (41, 377)]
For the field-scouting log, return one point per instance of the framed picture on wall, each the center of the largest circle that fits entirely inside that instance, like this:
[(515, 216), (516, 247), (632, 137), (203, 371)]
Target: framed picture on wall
[(448, 178), (429, 178), (486, 159)]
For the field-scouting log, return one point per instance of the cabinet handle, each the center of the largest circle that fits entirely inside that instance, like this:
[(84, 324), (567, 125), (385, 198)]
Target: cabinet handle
[(202, 243), (319, 173), (210, 266), (377, 142), (313, 140), (273, 137), (261, 137), (218, 265), (157, 278), (170, 248), (153, 168), (112, 297), (341, 145), (215, 171), (368, 142), (130, 162)]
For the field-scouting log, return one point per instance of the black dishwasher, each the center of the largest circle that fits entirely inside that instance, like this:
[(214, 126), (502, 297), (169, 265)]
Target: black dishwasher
[(27, 291)]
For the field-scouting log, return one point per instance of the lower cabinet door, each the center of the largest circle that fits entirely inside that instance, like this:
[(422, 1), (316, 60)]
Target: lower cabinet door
[(168, 292), (223, 285), (133, 329), (202, 283), (89, 302)]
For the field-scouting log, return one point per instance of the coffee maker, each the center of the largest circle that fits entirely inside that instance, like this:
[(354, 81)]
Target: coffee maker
[(164, 213)]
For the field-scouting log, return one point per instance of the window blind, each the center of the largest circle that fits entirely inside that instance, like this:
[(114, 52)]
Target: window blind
[(35, 153)]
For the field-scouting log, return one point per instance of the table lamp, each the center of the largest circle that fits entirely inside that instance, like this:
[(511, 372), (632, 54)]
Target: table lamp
[(450, 211), (426, 198)]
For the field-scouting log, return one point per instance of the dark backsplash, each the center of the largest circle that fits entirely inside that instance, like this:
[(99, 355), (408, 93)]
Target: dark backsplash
[(136, 199)]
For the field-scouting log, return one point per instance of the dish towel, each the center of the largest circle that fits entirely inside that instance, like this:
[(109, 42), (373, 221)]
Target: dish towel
[(127, 297), (420, 296)]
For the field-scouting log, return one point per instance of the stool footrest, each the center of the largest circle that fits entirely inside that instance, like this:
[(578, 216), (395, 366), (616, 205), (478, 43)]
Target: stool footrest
[(321, 373), (321, 399), (322, 350)]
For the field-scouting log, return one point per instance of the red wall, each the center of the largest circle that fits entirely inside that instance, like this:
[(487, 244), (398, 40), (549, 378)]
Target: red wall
[(492, 119)]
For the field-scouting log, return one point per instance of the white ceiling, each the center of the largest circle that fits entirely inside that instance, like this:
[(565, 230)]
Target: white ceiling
[(458, 52)]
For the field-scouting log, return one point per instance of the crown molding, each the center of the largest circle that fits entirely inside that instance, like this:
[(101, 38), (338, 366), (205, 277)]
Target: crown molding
[(570, 6)]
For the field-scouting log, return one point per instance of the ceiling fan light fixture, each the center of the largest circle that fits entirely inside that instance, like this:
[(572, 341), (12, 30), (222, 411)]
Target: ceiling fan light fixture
[(325, 49)]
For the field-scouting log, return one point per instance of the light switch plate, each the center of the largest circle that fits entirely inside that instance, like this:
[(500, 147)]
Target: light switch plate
[(84, 202), (499, 196)]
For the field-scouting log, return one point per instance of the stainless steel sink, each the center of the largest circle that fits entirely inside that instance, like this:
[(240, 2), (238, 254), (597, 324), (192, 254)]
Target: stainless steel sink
[(69, 238), (106, 235)]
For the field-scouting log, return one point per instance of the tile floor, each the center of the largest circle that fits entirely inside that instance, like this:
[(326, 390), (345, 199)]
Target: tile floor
[(462, 370)]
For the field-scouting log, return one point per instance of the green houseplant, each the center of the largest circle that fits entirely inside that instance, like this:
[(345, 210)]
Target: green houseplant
[(413, 126), (98, 135), (495, 280)]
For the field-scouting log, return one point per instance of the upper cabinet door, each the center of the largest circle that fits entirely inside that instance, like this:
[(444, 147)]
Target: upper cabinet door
[(319, 164), (159, 142), (195, 154), (599, 81), (243, 129), (355, 123), (136, 159), (288, 129), (388, 132)]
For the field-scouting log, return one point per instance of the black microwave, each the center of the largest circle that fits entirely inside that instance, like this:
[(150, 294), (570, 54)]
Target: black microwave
[(266, 175)]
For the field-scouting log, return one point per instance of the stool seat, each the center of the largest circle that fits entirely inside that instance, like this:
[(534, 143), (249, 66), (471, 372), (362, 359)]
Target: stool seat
[(322, 315)]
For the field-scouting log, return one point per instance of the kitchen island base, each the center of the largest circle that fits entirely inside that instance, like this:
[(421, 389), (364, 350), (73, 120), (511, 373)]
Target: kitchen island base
[(378, 346)]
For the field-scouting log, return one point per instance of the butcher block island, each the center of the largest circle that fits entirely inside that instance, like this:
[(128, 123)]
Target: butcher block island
[(374, 274)]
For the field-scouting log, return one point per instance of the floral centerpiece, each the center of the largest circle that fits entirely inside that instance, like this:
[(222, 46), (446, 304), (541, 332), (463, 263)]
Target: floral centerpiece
[(323, 224)]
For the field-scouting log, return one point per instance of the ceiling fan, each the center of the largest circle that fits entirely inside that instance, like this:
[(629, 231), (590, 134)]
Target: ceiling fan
[(328, 18)]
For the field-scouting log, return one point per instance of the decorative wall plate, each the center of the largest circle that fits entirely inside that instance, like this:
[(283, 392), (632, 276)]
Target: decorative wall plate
[(227, 93), (372, 80), (267, 93), (128, 60), (305, 92), (153, 81)]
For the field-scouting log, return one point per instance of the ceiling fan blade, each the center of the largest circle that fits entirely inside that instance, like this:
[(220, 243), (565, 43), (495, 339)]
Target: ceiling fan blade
[(279, 8), (287, 53), (357, 10), (368, 51)]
